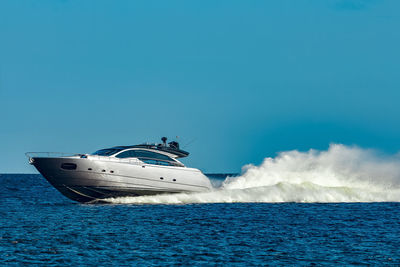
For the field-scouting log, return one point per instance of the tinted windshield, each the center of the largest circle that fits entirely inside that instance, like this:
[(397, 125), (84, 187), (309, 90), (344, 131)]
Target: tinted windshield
[(143, 154), (106, 152), (149, 157)]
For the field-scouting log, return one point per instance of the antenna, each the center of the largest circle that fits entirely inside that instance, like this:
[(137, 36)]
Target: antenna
[(164, 139)]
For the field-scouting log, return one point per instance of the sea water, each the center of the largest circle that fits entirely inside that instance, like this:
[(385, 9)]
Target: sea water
[(334, 207)]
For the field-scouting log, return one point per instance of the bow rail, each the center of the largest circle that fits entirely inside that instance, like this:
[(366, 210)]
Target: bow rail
[(50, 154)]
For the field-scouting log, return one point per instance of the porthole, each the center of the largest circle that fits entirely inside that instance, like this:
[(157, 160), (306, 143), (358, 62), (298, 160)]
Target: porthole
[(112, 171), (161, 178), (89, 169), (174, 180), (103, 170)]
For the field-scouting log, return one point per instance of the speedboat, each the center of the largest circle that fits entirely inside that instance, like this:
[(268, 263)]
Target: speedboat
[(137, 170)]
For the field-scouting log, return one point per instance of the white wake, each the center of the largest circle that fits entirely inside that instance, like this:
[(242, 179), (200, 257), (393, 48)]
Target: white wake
[(340, 174)]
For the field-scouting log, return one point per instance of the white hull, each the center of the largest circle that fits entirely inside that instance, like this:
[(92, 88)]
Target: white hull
[(98, 177)]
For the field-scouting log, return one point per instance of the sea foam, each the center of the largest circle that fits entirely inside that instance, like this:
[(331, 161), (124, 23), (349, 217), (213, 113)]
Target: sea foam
[(339, 174)]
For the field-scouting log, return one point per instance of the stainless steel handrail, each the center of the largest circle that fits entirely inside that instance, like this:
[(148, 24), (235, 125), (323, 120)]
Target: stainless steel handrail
[(50, 154)]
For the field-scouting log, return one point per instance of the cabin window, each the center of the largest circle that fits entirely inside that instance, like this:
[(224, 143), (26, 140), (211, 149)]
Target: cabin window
[(157, 162), (125, 154), (68, 166), (106, 152), (153, 155), (143, 154)]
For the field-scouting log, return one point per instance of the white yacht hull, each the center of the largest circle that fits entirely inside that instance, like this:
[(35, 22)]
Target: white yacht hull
[(96, 178)]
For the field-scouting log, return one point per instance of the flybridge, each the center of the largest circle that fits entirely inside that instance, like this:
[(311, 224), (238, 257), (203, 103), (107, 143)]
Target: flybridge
[(172, 148)]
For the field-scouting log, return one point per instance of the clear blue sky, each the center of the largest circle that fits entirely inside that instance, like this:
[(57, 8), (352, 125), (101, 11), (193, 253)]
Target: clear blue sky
[(247, 79)]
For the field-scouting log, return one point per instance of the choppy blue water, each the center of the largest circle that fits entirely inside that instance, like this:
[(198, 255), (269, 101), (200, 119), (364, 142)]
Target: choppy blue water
[(40, 226)]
